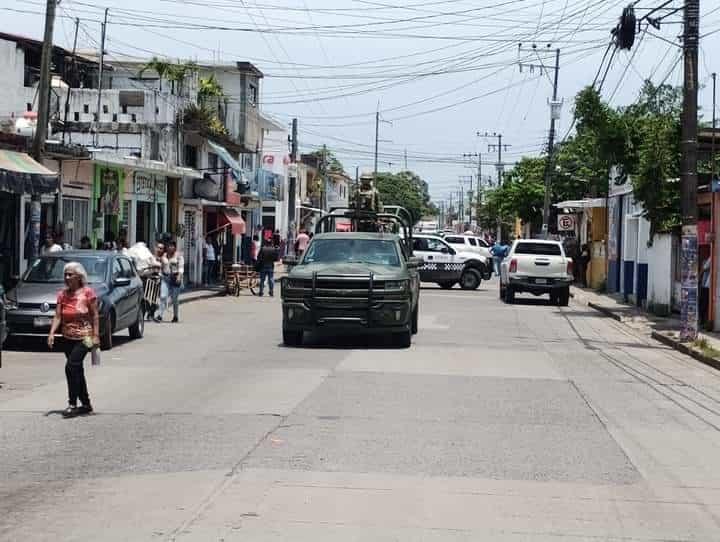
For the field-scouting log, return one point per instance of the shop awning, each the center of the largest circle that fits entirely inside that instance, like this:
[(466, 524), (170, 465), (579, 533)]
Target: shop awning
[(590, 203), (234, 220), (20, 174)]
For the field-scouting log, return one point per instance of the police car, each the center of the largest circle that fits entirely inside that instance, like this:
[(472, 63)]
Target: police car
[(447, 266)]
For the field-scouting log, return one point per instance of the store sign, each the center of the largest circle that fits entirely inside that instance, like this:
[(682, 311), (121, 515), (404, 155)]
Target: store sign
[(566, 222), (144, 184)]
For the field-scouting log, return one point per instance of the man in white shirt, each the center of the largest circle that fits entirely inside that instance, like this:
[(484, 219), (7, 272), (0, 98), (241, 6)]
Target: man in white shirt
[(50, 245), (210, 261)]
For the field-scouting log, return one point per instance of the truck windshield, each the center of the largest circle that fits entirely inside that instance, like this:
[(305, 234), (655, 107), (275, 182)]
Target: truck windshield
[(538, 249), (372, 251)]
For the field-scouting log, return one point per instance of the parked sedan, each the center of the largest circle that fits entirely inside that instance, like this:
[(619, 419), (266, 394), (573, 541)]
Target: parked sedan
[(113, 277)]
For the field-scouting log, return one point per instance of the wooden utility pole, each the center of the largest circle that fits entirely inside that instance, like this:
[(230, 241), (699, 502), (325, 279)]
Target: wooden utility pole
[(38, 148), (688, 174)]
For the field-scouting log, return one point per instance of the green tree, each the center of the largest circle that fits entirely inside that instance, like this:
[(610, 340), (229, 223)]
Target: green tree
[(406, 189), (209, 87)]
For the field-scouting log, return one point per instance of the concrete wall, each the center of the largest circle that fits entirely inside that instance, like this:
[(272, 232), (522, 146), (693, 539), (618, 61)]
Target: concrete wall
[(659, 258), (14, 96)]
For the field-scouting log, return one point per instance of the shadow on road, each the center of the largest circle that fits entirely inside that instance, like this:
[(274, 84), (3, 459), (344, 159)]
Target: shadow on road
[(537, 301), (347, 342), (38, 343)]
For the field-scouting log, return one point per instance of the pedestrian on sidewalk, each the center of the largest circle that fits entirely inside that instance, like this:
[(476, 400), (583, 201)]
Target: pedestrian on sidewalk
[(301, 243), (173, 268), (269, 254), (76, 316), (583, 261), (210, 260)]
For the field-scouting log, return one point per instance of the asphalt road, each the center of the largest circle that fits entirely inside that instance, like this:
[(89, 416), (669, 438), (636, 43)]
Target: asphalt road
[(508, 423)]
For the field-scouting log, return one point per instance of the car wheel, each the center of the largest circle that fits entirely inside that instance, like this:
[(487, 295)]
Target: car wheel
[(292, 337), (470, 279), (446, 285), (414, 323), (564, 297), (404, 339), (106, 342), (137, 330), (509, 295)]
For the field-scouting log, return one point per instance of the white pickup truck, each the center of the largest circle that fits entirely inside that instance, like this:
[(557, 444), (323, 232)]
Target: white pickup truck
[(537, 267)]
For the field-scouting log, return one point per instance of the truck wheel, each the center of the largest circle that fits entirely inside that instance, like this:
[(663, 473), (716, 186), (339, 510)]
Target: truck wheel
[(414, 323), (446, 285), (404, 339), (470, 279), (509, 295), (564, 297), (292, 337)]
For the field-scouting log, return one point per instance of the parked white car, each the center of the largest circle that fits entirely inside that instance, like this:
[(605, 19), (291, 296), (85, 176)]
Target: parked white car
[(537, 267)]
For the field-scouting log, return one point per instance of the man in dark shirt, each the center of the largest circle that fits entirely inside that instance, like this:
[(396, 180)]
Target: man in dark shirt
[(267, 257)]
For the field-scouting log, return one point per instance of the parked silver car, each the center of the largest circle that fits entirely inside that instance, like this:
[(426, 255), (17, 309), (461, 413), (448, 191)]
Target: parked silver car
[(113, 277)]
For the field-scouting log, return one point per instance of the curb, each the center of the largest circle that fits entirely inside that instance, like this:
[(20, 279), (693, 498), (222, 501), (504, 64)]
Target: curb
[(685, 349), (200, 297), (604, 310)]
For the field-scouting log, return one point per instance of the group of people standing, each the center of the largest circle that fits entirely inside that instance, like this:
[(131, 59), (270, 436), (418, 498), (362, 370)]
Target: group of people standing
[(169, 266)]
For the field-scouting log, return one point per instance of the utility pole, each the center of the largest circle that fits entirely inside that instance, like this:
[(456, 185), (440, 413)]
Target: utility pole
[(406, 168), (38, 146), (377, 139), (74, 68), (500, 166), (100, 76), (688, 174), (292, 188), (712, 145), (554, 115), (479, 171)]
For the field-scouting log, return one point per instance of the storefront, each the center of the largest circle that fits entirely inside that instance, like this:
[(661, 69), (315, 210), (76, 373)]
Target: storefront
[(21, 178), (149, 208), (109, 214)]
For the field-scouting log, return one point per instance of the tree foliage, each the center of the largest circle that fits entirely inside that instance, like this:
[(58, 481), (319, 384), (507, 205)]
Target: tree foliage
[(407, 189), (640, 140)]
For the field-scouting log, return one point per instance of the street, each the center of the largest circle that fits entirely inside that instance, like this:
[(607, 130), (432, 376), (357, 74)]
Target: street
[(501, 422)]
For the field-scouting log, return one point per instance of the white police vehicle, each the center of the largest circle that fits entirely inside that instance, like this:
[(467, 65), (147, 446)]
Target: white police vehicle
[(447, 266)]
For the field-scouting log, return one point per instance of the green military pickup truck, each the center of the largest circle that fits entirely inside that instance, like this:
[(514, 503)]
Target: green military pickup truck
[(352, 282)]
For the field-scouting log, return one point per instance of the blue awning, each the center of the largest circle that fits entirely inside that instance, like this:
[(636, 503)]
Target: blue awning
[(226, 157)]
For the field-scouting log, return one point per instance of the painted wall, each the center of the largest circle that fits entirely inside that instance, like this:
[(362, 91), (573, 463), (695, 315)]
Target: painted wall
[(659, 259)]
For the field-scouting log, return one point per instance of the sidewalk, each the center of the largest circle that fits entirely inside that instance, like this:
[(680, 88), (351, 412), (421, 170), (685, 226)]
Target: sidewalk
[(202, 292), (664, 329)]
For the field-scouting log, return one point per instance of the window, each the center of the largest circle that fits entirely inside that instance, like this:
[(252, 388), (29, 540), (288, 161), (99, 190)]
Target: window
[(473, 241), (105, 109), (127, 270), (213, 162), (123, 108), (538, 249), (117, 271), (268, 210), (76, 211), (154, 146), (50, 268), (191, 156), (428, 244), (114, 117), (28, 106), (455, 240), (252, 94), (247, 161), (76, 116), (86, 108)]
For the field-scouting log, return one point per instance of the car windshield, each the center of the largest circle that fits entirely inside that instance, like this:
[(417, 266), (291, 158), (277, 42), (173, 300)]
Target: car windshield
[(372, 251), (539, 249), (50, 269)]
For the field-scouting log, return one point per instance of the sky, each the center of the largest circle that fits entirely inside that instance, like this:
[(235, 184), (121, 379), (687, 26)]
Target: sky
[(441, 73)]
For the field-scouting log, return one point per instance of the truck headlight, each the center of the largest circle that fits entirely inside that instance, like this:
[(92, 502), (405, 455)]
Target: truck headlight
[(396, 285)]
